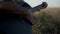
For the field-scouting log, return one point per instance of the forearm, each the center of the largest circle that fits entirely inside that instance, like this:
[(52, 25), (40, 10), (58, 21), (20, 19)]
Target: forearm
[(19, 11), (14, 9)]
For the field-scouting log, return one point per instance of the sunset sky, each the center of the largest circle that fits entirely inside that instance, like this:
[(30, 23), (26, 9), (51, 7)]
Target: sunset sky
[(51, 3)]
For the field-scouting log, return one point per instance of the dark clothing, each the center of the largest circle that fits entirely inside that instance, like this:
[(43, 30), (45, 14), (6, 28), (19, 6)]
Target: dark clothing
[(14, 24)]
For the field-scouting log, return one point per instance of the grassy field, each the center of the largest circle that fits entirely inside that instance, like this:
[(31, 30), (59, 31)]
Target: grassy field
[(48, 21)]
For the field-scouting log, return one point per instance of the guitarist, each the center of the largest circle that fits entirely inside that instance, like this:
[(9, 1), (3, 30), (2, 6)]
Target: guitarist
[(15, 19)]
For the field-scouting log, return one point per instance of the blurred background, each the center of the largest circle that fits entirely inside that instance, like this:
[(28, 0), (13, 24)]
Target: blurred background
[(51, 3), (48, 19)]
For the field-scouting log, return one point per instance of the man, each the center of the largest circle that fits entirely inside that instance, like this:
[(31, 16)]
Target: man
[(15, 19), (21, 5)]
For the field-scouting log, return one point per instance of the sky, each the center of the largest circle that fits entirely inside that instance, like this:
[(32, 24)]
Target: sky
[(51, 3)]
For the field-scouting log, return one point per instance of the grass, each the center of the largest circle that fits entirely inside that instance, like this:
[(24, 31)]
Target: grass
[(47, 23)]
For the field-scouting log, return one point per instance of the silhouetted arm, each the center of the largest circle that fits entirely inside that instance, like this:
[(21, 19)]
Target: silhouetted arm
[(39, 7), (14, 9)]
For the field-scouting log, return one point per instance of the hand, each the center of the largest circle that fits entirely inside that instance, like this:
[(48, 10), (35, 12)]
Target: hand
[(44, 4)]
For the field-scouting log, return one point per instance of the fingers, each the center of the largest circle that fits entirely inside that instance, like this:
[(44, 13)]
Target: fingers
[(44, 5)]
